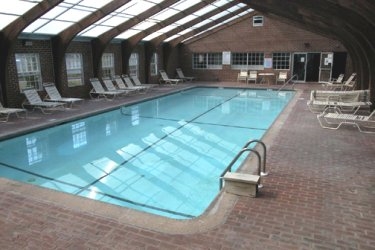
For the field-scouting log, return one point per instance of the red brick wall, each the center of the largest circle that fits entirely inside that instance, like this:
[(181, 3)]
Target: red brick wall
[(273, 36)]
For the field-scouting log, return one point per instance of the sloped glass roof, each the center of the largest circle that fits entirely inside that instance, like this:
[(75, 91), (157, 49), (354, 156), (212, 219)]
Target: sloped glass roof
[(69, 12)]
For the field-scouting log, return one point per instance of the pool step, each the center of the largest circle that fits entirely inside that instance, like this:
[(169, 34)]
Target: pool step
[(241, 184)]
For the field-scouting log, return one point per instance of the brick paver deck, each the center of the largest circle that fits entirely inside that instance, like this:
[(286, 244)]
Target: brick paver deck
[(320, 194)]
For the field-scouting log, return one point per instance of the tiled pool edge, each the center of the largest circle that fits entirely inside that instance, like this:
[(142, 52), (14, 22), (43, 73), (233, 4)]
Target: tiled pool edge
[(215, 215)]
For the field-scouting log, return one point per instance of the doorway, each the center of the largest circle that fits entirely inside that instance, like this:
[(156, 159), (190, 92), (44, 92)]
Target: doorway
[(299, 66)]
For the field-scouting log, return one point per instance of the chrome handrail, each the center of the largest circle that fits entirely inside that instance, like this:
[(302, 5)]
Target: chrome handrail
[(263, 171), (229, 167), (287, 82)]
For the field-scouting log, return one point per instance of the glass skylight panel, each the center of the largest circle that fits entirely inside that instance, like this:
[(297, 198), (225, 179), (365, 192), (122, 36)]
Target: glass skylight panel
[(53, 27), (201, 23), (221, 14), (128, 33), (35, 25), (144, 25), (221, 2), (205, 10), (64, 15), (159, 32), (171, 38), (165, 14), (183, 5), (119, 16), (5, 20), (236, 7), (115, 21), (137, 7), (186, 19), (93, 4), (11, 10), (94, 31), (73, 15)]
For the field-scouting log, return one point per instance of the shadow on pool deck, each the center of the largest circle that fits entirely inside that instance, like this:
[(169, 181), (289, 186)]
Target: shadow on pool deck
[(320, 194)]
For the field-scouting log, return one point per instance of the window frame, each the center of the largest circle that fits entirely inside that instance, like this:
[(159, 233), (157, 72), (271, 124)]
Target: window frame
[(154, 64), (108, 64), (210, 60), (28, 71), (247, 60), (281, 60), (258, 21), (74, 69), (134, 64)]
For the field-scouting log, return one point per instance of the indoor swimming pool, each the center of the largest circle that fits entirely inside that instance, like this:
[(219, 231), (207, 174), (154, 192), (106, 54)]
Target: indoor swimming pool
[(162, 156)]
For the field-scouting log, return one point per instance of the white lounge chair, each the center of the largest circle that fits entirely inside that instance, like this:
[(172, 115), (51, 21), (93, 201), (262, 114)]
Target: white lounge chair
[(121, 85), (6, 112), (282, 77), (53, 95), (253, 76), (333, 84), (33, 101), (111, 87), (165, 78), (138, 83), (349, 84), (242, 76), (130, 84), (98, 91), (364, 123), (182, 76), (346, 101)]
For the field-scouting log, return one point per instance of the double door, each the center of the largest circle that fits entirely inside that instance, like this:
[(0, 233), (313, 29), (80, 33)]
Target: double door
[(312, 67)]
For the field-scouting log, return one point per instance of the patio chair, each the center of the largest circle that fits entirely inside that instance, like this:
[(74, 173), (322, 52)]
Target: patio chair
[(242, 76), (346, 101), (111, 87), (138, 83), (282, 77), (165, 78), (121, 85), (53, 95), (33, 101), (98, 91), (6, 112), (253, 76), (181, 75), (130, 84), (364, 123), (332, 84), (349, 84)]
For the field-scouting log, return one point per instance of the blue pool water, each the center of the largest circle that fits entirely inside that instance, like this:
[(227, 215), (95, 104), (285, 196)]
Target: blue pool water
[(162, 156)]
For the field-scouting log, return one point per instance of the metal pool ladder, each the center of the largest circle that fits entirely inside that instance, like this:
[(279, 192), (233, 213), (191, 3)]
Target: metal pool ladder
[(261, 164)]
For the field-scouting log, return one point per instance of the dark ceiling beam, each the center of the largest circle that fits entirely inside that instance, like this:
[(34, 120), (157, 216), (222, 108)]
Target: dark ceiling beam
[(61, 41), (99, 44), (179, 39), (132, 41), (158, 40), (10, 33)]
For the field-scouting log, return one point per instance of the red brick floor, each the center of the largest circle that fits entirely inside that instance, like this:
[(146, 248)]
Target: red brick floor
[(320, 194)]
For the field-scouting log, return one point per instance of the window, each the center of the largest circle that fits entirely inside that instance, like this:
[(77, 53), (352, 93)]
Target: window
[(154, 64), (257, 21), (108, 65), (251, 60), (28, 70), (281, 60), (207, 60), (74, 69), (214, 60), (133, 64)]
